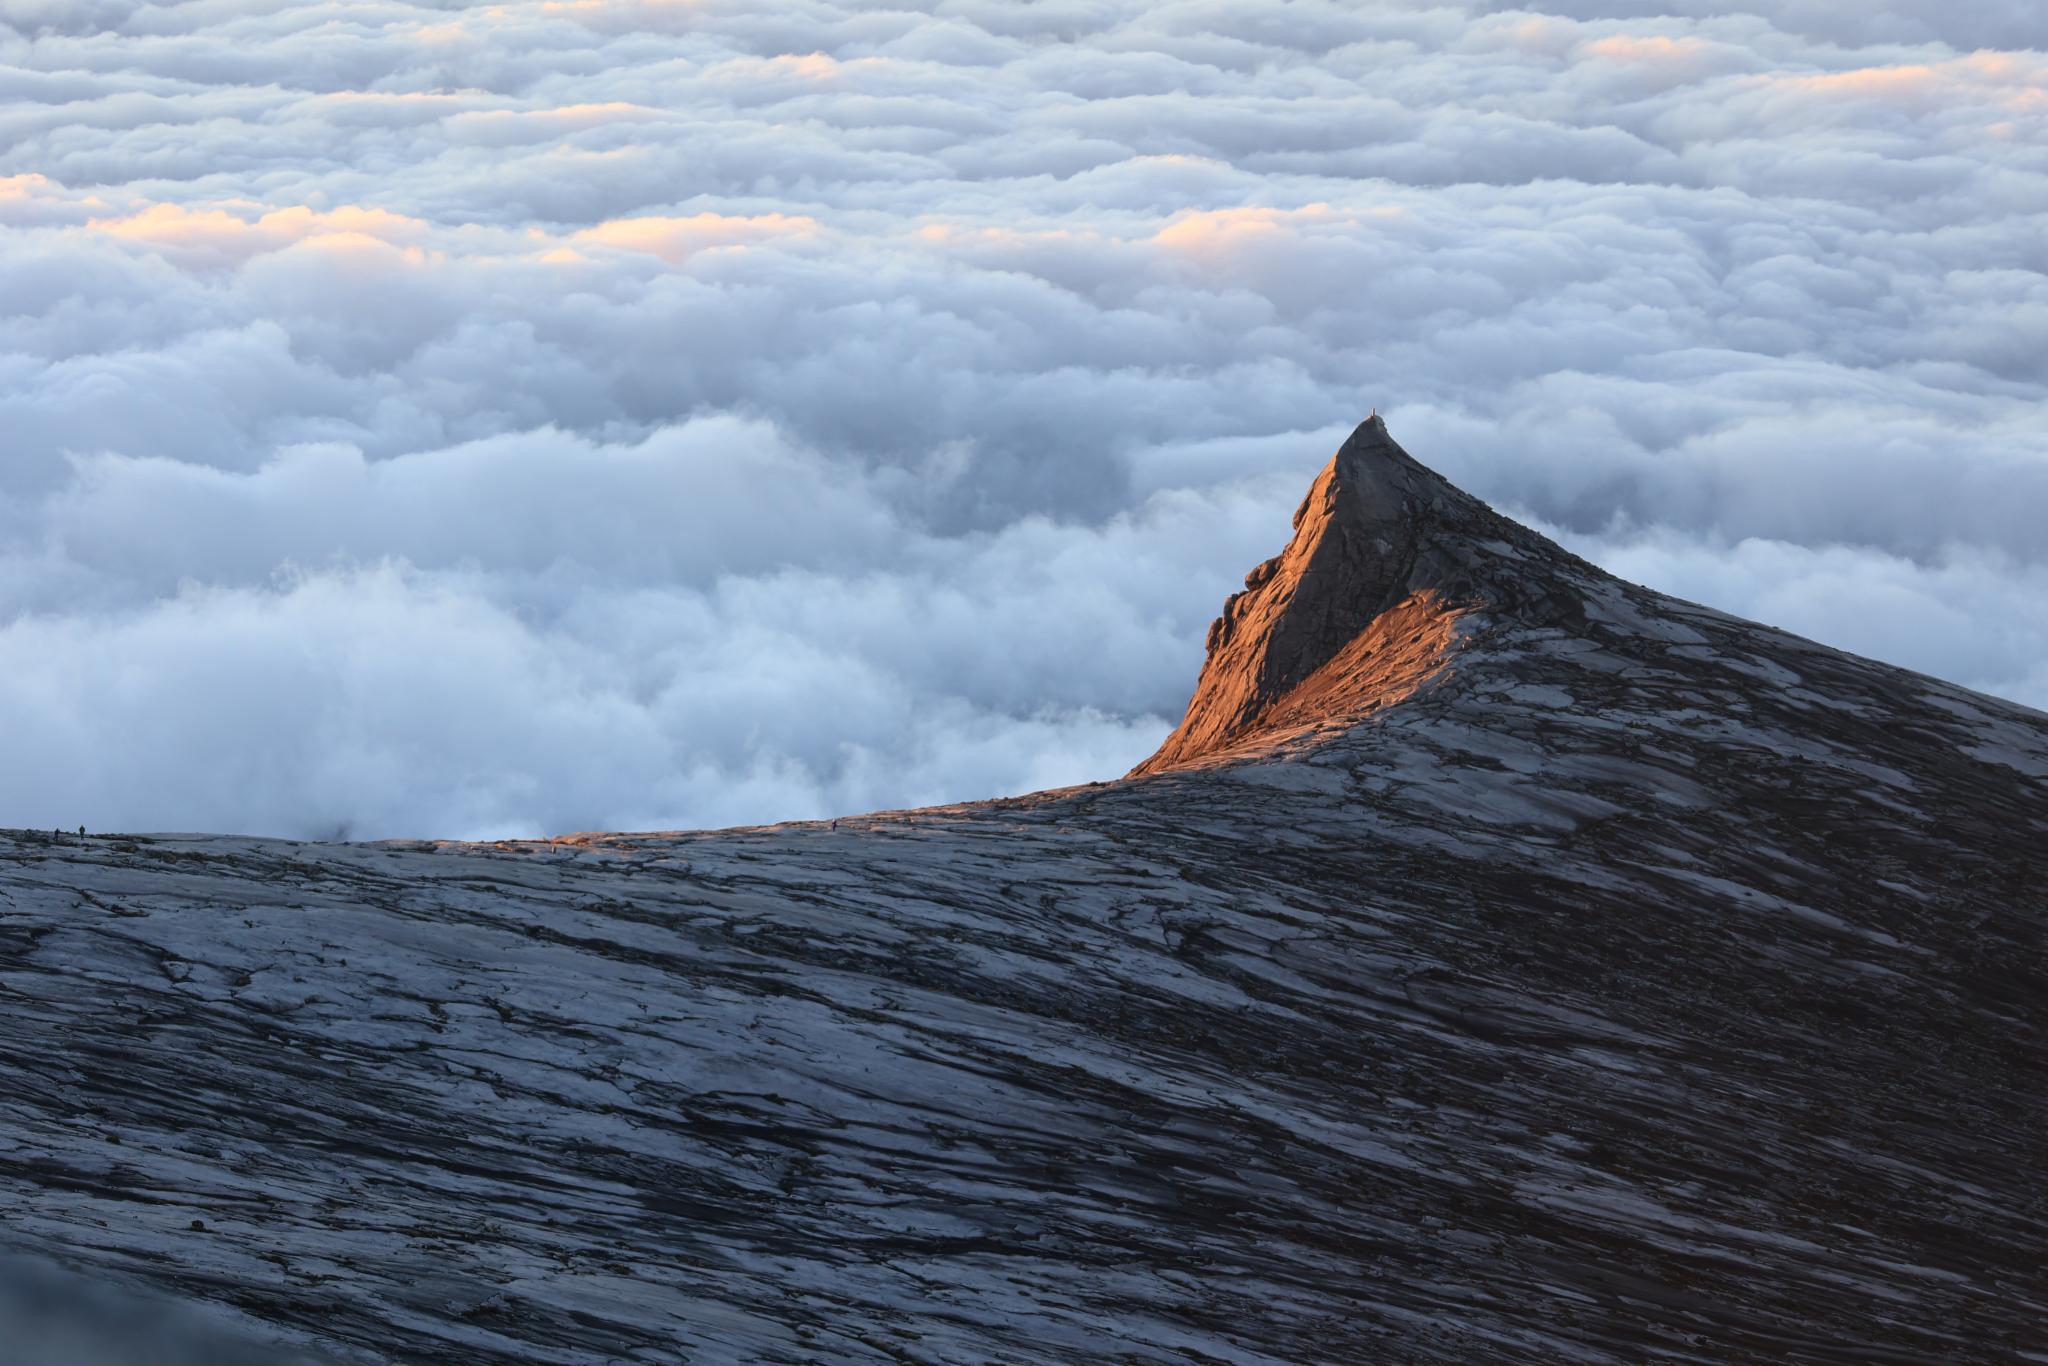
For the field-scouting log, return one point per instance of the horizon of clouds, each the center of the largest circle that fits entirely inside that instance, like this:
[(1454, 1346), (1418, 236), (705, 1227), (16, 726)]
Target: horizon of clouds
[(476, 421)]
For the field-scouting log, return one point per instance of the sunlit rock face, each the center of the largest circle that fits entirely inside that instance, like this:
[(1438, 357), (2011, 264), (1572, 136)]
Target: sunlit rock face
[(1502, 962), (1362, 607)]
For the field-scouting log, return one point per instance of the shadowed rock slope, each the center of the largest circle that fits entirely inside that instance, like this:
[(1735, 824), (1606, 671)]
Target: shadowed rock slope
[(1501, 962)]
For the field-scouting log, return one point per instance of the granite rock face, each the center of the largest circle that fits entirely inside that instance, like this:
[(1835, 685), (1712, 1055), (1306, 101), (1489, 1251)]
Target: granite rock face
[(1360, 609), (1502, 962)]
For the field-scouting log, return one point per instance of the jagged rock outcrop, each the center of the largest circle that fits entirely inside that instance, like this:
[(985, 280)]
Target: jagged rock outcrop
[(1362, 607), (1649, 984)]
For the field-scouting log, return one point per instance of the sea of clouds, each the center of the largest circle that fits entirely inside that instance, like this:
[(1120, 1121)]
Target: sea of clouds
[(483, 420)]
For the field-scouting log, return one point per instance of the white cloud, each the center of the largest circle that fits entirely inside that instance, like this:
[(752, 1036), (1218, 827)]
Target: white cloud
[(428, 419)]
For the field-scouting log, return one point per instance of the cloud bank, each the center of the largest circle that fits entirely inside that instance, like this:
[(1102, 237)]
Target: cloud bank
[(422, 419)]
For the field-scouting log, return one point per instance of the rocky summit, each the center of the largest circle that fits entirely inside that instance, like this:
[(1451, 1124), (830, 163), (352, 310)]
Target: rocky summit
[(1499, 962)]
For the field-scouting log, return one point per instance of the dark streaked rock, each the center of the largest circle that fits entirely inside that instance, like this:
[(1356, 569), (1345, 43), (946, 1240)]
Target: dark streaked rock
[(1517, 965)]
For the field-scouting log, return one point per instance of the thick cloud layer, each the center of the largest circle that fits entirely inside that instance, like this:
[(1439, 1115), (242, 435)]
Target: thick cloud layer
[(439, 420)]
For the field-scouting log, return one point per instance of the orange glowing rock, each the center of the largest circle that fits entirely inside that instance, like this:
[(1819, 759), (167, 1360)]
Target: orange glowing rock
[(1391, 568)]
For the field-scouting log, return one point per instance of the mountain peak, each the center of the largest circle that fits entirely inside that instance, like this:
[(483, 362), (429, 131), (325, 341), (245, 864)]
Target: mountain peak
[(1566, 1017), (1382, 478), (1361, 609)]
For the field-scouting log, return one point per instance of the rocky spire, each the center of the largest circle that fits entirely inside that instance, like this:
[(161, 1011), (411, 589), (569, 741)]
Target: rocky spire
[(1358, 611)]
